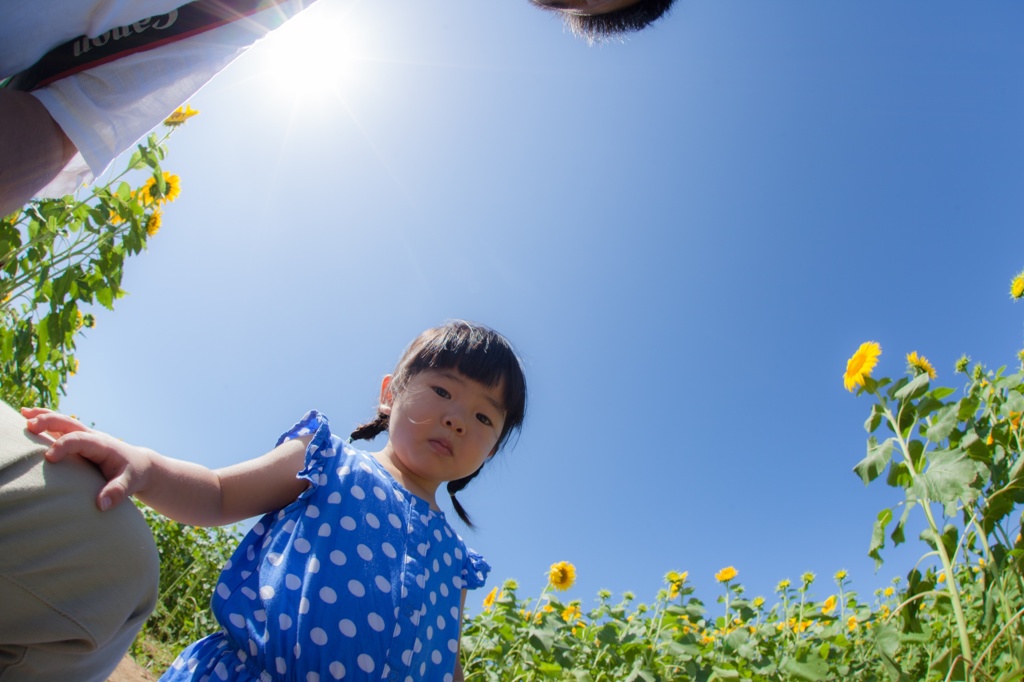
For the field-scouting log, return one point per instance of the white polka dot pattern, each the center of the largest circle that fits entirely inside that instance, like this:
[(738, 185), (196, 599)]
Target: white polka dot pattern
[(355, 580)]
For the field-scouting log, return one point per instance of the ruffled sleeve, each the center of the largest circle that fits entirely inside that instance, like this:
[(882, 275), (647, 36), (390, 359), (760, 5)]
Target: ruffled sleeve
[(320, 448), (474, 570)]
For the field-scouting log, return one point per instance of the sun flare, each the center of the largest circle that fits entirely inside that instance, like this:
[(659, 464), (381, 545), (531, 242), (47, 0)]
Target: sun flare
[(315, 55)]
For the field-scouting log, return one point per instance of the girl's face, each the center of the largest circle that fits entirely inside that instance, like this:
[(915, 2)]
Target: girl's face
[(442, 425)]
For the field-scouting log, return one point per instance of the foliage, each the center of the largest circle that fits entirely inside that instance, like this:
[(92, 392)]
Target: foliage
[(959, 462), (676, 638), (679, 638), (191, 559), (58, 257), (957, 617)]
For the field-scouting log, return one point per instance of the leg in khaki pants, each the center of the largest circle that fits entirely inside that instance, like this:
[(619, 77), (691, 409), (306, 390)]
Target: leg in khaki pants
[(75, 584)]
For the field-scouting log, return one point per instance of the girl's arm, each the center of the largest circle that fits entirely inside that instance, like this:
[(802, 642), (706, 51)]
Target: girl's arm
[(184, 491), (459, 676)]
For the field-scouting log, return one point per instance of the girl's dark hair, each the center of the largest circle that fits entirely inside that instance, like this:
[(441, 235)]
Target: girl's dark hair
[(477, 352), (601, 27)]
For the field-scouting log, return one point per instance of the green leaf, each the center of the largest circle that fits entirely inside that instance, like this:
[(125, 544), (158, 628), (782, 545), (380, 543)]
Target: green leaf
[(608, 635), (811, 668), (877, 459), (1002, 502), (899, 476), (943, 424), (897, 536), (542, 639), (915, 389), (1014, 403), (967, 407), (135, 162), (948, 539), (641, 674), (105, 297), (878, 535), (681, 649), (948, 477), (887, 642), (875, 419)]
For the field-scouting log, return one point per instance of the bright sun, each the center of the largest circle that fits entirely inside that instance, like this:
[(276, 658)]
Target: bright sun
[(313, 56)]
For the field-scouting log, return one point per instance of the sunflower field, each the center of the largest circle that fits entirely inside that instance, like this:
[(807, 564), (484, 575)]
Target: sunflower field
[(954, 455), (60, 256)]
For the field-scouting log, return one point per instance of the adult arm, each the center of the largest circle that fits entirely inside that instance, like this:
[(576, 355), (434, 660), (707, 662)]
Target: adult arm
[(33, 149), (184, 491)]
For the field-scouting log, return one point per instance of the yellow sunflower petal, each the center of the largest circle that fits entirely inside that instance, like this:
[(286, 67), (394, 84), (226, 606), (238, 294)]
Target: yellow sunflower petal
[(562, 575), (859, 366)]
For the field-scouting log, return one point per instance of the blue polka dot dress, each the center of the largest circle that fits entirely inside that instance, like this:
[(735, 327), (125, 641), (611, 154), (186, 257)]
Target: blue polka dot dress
[(357, 579)]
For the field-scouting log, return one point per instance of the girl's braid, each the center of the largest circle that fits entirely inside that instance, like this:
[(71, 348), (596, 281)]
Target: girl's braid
[(372, 429), (457, 485)]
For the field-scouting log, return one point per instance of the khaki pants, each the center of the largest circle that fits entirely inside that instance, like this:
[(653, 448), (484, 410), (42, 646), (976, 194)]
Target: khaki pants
[(75, 584)]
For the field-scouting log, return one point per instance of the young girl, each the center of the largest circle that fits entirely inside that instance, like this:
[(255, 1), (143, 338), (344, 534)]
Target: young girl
[(353, 573)]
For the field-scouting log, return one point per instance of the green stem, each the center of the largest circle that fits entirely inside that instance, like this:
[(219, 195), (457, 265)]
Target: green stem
[(529, 625), (1003, 602), (999, 634), (947, 566)]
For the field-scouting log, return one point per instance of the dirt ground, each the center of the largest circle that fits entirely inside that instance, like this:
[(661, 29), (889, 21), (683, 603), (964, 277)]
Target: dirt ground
[(130, 671)]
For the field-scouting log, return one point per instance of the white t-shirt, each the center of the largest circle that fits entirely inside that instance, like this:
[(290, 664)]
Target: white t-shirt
[(108, 108)]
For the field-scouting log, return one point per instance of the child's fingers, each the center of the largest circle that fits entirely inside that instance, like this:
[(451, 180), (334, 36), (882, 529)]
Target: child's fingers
[(92, 446), (115, 491), (29, 412), (55, 423), (118, 462)]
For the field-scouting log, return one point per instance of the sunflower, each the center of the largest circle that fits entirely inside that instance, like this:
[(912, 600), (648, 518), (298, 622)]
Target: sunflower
[(562, 575), (1017, 286), (919, 364), (571, 613), (154, 222), (489, 599), (150, 193), (675, 582), (961, 364), (859, 367), (829, 606), (840, 575), (726, 574), (797, 625), (851, 623), (179, 116)]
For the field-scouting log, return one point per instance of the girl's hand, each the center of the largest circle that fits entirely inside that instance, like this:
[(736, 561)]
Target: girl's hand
[(123, 465), (58, 424)]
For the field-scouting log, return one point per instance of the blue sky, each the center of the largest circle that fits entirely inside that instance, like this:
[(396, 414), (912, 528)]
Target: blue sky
[(686, 234)]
